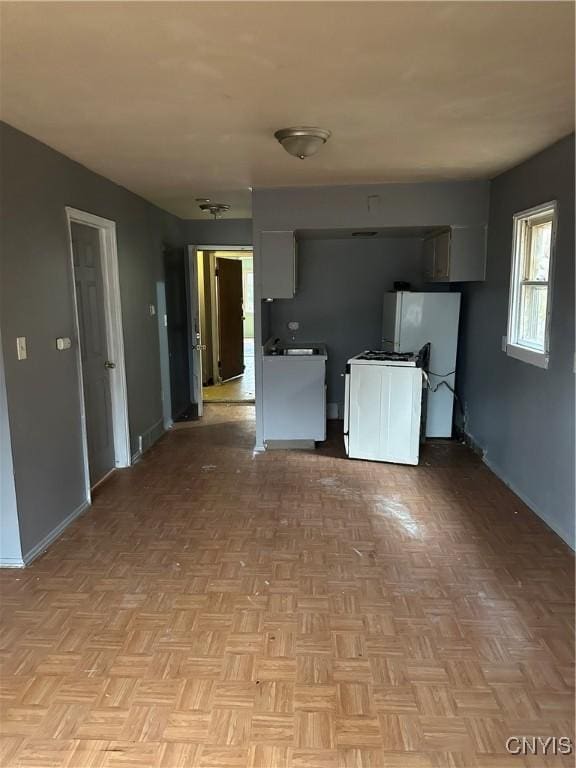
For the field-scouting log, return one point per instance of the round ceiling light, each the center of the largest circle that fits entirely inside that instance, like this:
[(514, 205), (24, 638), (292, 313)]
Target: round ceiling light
[(302, 141), (214, 208)]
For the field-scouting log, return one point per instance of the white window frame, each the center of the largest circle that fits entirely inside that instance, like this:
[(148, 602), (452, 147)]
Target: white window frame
[(514, 349)]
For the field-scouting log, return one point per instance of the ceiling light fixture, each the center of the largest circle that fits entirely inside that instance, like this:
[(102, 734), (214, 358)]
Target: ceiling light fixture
[(302, 141), (214, 208)]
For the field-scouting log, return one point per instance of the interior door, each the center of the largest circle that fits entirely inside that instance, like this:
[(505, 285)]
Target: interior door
[(197, 346), (230, 317), (88, 281), (178, 333)]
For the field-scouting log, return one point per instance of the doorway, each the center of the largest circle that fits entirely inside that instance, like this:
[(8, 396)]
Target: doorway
[(226, 324), (100, 347), (178, 333)]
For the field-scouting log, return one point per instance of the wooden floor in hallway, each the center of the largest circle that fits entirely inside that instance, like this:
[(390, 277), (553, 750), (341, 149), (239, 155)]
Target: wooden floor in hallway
[(217, 608)]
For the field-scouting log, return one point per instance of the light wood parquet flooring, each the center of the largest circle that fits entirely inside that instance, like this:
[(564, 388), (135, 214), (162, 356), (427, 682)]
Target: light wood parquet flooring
[(216, 609)]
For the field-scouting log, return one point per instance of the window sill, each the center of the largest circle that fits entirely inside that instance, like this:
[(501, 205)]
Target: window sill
[(539, 359)]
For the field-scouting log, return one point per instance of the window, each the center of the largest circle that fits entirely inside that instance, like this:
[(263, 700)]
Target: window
[(530, 284)]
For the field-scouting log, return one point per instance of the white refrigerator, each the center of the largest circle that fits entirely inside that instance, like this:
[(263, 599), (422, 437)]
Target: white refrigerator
[(410, 320)]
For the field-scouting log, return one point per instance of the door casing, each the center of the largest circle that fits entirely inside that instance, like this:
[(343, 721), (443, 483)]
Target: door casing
[(194, 307), (114, 338)]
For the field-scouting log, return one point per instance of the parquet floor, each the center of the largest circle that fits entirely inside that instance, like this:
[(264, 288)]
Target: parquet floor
[(216, 609), (239, 390)]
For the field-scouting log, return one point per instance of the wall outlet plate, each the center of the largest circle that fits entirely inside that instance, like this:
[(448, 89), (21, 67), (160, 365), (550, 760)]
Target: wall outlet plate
[(63, 342), (504, 343)]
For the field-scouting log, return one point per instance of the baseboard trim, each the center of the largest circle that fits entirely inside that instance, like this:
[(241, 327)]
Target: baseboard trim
[(12, 562), (476, 446), (42, 545), (283, 445), (147, 439), (529, 502), (103, 479)]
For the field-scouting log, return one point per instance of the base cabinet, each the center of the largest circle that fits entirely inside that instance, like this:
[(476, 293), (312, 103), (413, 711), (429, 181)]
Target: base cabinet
[(294, 394)]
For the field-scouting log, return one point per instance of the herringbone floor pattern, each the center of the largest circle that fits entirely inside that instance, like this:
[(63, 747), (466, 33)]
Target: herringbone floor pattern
[(216, 609)]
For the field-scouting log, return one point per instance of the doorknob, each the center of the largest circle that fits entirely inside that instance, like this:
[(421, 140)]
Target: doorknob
[(109, 364)]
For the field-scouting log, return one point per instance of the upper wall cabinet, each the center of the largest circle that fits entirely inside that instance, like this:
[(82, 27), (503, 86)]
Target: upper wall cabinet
[(278, 260), (456, 255)]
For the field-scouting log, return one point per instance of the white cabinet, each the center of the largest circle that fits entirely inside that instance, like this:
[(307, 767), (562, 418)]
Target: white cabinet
[(455, 255), (278, 264)]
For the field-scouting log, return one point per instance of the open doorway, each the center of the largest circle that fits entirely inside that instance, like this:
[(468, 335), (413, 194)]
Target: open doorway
[(99, 346), (226, 320)]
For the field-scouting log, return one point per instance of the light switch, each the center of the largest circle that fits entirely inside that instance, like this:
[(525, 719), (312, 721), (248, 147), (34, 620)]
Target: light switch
[(293, 325), (152, 310), (21, 347), (63, 342)]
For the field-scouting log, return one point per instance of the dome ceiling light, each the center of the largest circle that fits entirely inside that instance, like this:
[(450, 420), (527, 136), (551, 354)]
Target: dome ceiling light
[(302, 141), (216, 209)]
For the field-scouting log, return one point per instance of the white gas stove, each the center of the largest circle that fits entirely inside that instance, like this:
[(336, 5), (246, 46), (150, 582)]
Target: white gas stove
[(383, 405)]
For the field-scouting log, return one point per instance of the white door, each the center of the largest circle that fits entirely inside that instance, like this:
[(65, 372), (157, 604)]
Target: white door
[(96, 366), (195, 332)]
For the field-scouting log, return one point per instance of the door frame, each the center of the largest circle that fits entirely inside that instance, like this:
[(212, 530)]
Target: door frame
[(114, 338), (195, 297)]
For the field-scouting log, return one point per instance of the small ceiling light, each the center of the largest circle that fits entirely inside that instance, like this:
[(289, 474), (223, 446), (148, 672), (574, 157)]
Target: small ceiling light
[(302, 141), (202, 199), (215, 208)]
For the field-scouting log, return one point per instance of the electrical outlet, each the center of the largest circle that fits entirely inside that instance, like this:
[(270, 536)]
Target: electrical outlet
[(63, 342), (504, 343), (21, 348), (152, 310)]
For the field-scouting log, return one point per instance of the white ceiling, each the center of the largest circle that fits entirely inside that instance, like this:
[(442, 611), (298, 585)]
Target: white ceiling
[(180, 100)]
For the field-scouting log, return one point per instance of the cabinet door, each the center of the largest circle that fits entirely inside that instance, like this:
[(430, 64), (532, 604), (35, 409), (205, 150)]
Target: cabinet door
[(278, 260), (468, 253), (442, 256), (429, 259)]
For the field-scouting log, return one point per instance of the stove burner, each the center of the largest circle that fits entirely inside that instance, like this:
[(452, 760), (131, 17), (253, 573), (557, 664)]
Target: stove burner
[(380, 355)]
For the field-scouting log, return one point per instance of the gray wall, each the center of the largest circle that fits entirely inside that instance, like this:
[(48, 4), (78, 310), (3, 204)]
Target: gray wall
[(218, 232), (10, 550), (346, 207), (339, 299), (36, 302), (521, 415)]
